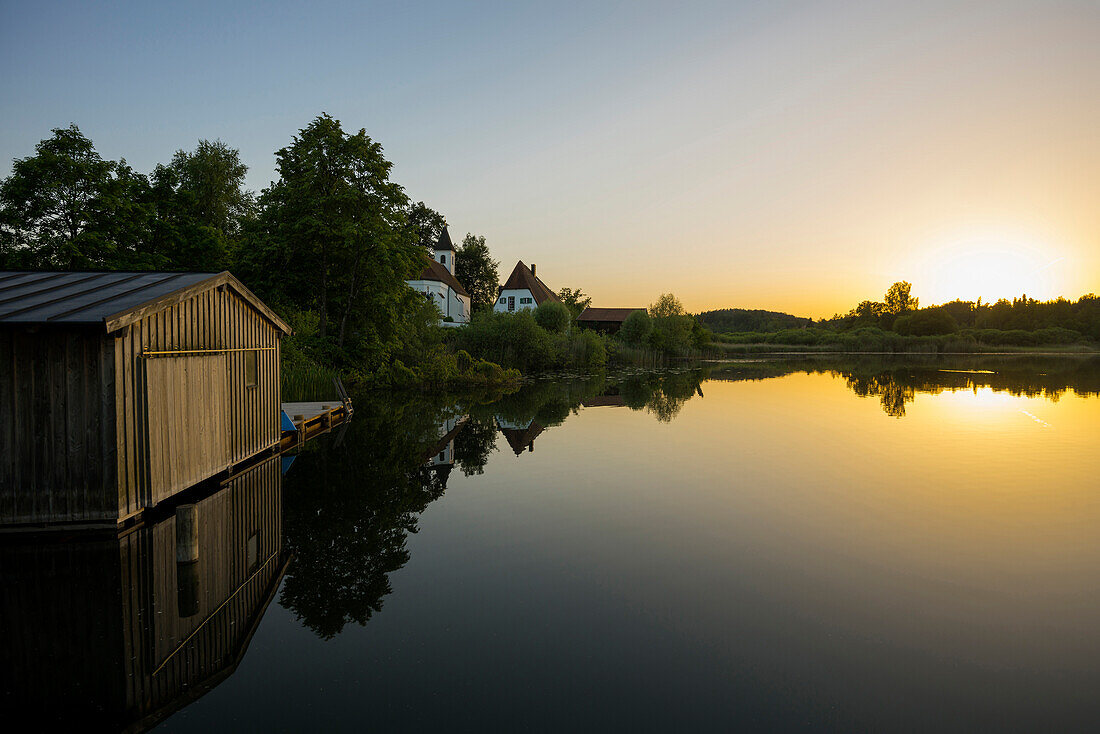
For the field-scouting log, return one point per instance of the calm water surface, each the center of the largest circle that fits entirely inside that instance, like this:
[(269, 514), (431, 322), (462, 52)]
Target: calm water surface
[(852, 544)]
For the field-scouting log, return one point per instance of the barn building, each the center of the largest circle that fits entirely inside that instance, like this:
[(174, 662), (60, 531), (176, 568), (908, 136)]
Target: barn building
[(120, 390), (605, 320)]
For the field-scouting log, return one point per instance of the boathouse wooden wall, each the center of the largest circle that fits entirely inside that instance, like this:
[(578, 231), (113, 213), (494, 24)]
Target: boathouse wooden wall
[(103, 633), (58, 456), (101, 427)]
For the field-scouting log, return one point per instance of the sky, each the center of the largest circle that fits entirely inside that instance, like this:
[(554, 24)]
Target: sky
[(794, 156)]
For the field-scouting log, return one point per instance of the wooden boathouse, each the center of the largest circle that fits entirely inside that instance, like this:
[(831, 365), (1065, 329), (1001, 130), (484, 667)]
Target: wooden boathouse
[(119, 390), (109, 631)]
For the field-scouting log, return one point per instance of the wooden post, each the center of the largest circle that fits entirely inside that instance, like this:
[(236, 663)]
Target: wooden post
[(187, 560), (187, 533)]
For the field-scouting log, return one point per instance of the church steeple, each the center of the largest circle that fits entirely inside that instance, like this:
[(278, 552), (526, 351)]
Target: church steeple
[(445, 251)]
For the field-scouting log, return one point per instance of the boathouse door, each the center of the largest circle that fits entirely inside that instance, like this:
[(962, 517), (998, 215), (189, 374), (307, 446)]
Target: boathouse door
[(188, 421)]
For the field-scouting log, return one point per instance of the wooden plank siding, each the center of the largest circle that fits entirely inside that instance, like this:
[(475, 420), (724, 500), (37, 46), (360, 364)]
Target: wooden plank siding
[(57, 426), (93, 428), (92, 632)]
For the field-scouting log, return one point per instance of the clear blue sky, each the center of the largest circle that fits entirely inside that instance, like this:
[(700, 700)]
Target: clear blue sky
[(779, 155)]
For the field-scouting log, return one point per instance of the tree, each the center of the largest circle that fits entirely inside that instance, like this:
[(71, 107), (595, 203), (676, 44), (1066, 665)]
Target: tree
[(898, 300), (552, 316), (666, 305), (211, 178), (636, 328), (48, 204), (928, 322), (201, 208), (333, 237), (477, 271), (574, 300), (425, 223)]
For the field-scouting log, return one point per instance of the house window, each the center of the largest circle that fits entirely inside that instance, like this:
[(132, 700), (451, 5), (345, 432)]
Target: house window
[(442, 259), (251, 377), (511, 303), (525, 300)]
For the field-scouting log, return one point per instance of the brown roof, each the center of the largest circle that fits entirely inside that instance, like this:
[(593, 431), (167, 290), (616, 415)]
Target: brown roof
[(604, 400), (523, 279), (520, 439), (435, 271), (606, 314)]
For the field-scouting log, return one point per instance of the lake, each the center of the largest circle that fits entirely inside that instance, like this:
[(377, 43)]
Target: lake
[(835, 543)]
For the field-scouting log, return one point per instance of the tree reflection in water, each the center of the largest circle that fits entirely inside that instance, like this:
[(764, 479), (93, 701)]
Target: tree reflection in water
[(351, 504), (897, 380)]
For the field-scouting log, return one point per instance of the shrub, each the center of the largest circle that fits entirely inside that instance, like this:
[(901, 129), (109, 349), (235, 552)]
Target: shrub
[(929, 322), (463, 361), (636, 328), (553, 316)]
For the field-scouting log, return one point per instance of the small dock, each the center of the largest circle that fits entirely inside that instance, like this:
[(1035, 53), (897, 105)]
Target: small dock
[(304, 421)]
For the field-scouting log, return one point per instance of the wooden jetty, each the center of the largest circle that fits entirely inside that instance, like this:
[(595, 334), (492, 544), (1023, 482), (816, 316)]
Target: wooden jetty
[(311, 419), (119, 390)]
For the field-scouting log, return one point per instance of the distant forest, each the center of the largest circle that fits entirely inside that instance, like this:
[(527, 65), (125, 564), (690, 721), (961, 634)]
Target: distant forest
[(898, 319), (741, 319)]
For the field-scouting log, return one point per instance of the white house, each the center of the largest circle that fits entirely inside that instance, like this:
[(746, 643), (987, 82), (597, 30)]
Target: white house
[(520, 436), (523, 290), (438, 283)]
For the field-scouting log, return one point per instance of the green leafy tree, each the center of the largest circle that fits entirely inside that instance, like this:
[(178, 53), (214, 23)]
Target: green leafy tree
[(667, 305), (211, 178), (553, 316), (333, 237), (929, 322), (636, 328), (575, 300), (201, 207), (897, 299), (425, 223), (51, 202), (476, 270)]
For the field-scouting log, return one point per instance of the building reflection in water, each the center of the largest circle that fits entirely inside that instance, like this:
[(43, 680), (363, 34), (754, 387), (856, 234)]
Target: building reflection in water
[(118, 632)]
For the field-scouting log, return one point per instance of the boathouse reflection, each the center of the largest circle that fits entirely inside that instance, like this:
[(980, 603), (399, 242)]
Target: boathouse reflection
[(119, 631)]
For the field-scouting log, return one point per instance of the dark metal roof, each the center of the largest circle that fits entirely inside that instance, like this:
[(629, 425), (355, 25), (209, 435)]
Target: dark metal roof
[(107, 300)]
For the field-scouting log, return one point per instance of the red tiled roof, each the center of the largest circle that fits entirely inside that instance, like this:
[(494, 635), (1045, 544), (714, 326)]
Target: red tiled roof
[(523, 279), (435, 271), (606, 314)]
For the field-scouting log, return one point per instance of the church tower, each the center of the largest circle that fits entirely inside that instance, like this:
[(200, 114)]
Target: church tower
[(444, 252)]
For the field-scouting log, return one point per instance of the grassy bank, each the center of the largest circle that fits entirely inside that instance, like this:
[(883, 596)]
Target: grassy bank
[(870, 339)]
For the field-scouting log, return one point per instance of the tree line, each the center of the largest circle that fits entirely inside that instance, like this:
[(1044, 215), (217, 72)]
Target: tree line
[(329, 244)]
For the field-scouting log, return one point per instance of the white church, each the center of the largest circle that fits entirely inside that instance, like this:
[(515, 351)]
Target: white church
[(438, 284)]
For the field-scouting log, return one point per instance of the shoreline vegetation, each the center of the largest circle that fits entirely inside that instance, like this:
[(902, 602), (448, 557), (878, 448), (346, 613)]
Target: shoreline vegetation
[(898, 325), (330, 244)]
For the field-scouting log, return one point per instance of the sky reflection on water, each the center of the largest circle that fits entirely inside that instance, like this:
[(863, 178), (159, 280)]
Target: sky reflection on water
[(869, 545)]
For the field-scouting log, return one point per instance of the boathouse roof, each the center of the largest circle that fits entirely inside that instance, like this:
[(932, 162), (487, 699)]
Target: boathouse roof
[(112, 300)]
